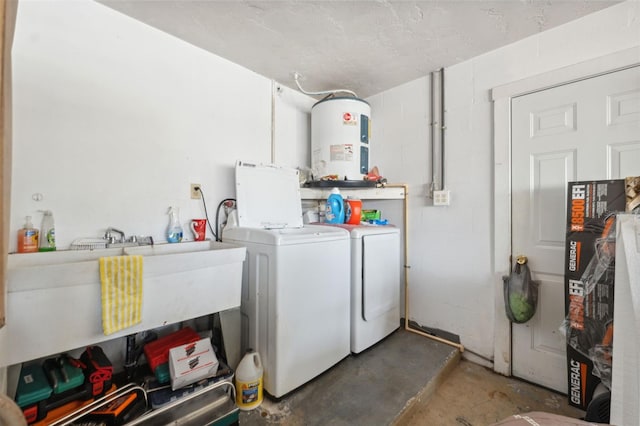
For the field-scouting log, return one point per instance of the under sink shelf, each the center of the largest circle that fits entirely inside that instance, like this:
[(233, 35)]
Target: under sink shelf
[(53, 299)]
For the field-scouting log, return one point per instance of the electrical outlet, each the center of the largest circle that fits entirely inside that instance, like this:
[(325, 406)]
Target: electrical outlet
[(441, 198), (195, 191)]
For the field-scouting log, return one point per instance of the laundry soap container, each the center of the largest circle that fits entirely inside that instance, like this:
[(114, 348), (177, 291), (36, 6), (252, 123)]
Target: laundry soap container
[(249, 381), (353, 208), (334, 210)]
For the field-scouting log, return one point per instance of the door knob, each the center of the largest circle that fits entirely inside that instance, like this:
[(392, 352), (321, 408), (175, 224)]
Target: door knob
[(521, 260)]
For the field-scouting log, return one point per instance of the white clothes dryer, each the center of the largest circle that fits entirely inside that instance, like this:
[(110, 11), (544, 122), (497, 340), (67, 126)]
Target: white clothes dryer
[(375, 283), (295, 304)]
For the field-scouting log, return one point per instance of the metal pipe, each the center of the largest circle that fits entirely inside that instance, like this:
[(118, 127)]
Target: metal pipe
[(442, 128), (130, 356), (437, 131), (274, 89)]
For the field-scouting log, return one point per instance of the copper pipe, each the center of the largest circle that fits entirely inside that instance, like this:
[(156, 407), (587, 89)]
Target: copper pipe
[(406, 272)]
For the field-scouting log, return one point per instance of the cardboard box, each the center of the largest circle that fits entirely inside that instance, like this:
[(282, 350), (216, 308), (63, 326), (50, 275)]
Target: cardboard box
[(191, 363), (589, 282)]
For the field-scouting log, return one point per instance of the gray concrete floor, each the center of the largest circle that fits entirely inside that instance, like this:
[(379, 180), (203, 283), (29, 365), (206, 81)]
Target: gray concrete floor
[(371, 388), (472, 395), (407, 380)]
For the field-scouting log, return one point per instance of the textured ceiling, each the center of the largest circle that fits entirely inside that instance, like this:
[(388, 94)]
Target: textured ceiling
[(366, 46)]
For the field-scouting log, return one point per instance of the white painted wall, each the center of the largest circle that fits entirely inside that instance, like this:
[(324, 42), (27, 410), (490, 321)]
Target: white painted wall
[(452, 275), (114, 119), (292, 127)]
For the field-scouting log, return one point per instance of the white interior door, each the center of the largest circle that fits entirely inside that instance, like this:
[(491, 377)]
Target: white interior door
[(587, 130)]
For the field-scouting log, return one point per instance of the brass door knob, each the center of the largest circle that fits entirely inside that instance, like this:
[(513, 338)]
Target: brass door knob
[(521, 260)]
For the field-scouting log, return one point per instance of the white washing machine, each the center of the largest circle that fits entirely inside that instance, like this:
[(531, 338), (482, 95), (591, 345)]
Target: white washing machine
[(295, 293), (375, 283)]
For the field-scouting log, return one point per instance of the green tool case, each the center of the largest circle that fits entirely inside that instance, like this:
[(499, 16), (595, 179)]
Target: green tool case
[(33, 386), (62, 375)]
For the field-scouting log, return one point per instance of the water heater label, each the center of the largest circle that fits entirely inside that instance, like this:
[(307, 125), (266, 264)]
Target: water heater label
[(350, 118), (341, 152)]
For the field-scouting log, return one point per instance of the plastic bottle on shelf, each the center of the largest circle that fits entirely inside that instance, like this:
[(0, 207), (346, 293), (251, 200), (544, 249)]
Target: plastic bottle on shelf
[(249, 391), (47, 233), (174, 230), (28, 238), (353, 207), (334, 211)]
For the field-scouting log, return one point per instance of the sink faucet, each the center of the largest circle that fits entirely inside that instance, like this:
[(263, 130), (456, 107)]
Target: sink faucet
[(119, 239), (112, 239)]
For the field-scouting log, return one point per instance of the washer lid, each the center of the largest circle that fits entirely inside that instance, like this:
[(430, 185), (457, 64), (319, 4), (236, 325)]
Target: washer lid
[(268, 196), (308, 234)]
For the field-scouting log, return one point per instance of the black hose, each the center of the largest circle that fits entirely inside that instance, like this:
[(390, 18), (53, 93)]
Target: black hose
[(218, 214)]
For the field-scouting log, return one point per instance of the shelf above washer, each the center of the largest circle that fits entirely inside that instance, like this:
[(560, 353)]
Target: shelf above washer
[(389, 192)]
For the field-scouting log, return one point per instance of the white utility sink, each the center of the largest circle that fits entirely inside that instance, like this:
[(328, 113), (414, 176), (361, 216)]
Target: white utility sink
[(54, 298)]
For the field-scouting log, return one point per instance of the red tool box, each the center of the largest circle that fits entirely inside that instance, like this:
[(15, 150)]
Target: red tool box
[(157, 352)]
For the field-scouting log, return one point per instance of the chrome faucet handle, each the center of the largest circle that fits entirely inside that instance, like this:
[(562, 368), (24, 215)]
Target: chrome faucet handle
[(145, 241), (111, 239)]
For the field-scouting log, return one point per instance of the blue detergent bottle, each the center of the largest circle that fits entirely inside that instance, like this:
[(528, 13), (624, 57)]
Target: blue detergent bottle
[(334, 211)]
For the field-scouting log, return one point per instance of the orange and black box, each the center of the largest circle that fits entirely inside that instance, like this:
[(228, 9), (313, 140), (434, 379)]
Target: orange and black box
[(589, 279), (119, 411)]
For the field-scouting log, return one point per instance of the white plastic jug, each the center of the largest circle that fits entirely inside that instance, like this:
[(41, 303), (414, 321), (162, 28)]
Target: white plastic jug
[(249, 391)]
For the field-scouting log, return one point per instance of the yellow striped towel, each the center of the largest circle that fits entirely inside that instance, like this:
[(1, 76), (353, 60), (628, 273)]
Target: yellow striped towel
[(121, 282)]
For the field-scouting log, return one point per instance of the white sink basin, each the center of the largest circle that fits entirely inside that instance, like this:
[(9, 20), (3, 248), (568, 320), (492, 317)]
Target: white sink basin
[(65, 268), (176, 248), (180, 257), (54, 298), (18, 260)]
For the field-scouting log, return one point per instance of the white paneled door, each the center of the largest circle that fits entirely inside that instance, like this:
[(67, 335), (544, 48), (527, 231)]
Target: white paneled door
[(586, 130)]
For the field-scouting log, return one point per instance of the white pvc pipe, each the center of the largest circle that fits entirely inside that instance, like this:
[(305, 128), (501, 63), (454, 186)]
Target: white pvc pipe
[(296, 76)]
